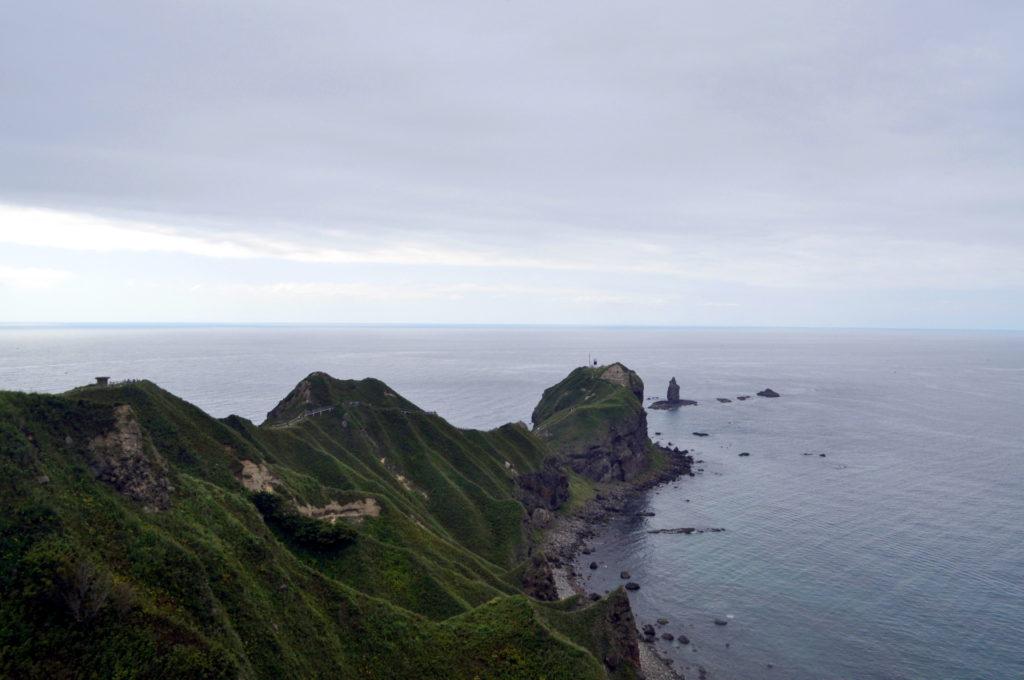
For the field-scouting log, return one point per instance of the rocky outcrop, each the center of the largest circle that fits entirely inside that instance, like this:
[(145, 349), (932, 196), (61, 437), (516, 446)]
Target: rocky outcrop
[(538, 579), (672, 400), (624, 647), (125, 459), (595, 421), (546, 488), (618, 374), (673, 390), (768, 392), (617, 452)]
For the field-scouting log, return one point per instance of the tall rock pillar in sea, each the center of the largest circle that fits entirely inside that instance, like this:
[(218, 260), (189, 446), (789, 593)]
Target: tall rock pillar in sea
[(673, 391)]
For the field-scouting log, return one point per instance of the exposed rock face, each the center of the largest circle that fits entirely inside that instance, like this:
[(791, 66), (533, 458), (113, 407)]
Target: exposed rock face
[(618, 374), (356, 510), (617, 453), (673, 390), (125, 459), (538, 580), (546, 488), (257, 476), (623, 644), (594, 420)]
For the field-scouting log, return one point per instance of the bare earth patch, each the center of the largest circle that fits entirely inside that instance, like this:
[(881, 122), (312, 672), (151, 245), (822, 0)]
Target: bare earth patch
[(125, 459), (257, 476), (356, 510)]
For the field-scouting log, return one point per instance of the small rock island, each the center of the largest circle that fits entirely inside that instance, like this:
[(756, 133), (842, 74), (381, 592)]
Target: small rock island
[(672, 400)]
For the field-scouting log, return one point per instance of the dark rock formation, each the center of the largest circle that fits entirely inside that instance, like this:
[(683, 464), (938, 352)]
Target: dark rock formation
[(700, 434), (538, 579), (723, 400), (669, 637), (768, 392), (744, 454), (632, 585), (622, 640), (546, 488), (672, 400), (721, 622)]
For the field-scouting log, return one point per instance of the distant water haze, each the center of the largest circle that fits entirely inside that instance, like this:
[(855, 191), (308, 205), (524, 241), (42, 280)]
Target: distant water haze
[(898, 555)]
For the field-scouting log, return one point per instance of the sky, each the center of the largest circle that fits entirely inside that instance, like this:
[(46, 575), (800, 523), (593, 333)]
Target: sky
[(793, 163)]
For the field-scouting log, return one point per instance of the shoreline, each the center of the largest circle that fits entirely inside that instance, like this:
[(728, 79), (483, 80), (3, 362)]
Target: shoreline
[(567, 535)]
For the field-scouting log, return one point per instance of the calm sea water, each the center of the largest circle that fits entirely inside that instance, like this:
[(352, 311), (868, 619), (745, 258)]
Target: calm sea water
[(900, 554)]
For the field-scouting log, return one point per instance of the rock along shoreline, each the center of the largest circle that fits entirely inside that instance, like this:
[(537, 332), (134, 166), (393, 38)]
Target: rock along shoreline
[(567, 535)]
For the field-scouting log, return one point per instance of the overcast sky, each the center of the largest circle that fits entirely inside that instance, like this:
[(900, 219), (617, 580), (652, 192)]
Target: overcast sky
[(681, 163)]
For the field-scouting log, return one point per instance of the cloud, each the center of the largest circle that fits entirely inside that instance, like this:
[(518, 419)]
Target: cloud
[(782, 259), (80, 232), (418, 291), (33, 278)]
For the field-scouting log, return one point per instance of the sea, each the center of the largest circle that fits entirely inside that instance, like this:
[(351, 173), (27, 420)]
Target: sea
[(875, 530)]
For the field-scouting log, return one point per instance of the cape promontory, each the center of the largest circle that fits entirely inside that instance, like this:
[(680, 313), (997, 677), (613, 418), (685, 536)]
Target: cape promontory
[(594, 419), (351, 535)]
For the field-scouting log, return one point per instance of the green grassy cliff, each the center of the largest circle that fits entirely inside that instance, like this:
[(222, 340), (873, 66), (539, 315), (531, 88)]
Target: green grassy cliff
[(595, 420), (352, 535)]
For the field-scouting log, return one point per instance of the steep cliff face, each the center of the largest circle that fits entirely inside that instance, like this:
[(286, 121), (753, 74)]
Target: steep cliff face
[(546, 488), (352, 535), (595, 420)]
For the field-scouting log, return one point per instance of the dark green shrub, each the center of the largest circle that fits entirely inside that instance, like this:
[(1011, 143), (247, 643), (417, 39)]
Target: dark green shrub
[(305, 532)]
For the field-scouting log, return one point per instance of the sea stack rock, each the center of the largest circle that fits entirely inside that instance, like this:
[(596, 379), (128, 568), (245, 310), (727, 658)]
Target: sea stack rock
[(673, 391), (672, 401)]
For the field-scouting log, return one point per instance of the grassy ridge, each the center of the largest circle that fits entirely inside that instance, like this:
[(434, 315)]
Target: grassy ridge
[(224, 583)]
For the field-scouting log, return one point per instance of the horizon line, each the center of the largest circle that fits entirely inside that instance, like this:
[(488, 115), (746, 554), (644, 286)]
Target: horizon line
[(481, 325)]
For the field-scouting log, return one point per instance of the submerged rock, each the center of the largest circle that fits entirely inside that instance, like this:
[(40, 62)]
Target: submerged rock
[(721, 622), (625, 575), (744, 454), (632, 585)]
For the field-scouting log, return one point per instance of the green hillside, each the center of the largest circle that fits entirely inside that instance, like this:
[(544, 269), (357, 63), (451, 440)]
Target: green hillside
[(595, 420), (352, 535)]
